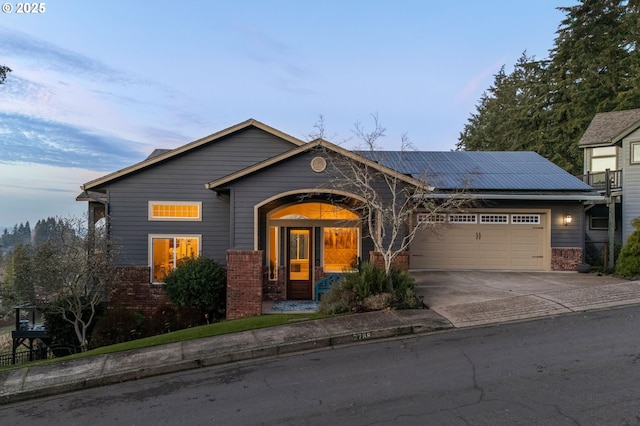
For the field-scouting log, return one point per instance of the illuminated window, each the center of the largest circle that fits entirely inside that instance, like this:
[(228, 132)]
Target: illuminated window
[(175, 210), (273, 252), (340, 249), (322, 211), (166, 252)]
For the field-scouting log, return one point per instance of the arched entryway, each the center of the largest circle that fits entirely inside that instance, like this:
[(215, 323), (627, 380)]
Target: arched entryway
[(307, 240)]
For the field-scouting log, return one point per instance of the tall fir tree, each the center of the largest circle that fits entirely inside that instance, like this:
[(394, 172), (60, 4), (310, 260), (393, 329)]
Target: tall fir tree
[(546, 106)]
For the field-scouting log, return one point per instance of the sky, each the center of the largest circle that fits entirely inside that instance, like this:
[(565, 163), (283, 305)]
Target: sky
[(97, 85)]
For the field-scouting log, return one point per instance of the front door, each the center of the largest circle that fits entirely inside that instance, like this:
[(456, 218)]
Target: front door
[(299, 263)]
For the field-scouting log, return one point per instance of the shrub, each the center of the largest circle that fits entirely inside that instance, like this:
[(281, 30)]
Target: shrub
[(371, 289), (164, 320), (337, 300), (117, 326), (199, 283), (628, 263)]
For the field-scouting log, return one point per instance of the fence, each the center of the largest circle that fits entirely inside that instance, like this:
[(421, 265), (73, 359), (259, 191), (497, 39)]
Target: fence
[(25, 356)]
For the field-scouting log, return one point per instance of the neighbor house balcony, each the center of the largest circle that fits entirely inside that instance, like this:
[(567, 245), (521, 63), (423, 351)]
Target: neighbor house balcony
[(607, 182)]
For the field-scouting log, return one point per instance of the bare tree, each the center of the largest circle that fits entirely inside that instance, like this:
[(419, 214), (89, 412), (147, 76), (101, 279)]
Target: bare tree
[(73, 272), (389, 198)]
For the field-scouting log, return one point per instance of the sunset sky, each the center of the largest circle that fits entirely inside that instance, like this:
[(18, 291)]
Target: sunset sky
[(97, 85)]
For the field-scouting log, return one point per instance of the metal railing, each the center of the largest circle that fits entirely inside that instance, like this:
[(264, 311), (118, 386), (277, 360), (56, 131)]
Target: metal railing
[(607, 181)]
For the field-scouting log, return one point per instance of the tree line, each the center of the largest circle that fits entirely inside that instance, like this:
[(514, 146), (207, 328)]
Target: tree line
[(22, 233), (546, 105)]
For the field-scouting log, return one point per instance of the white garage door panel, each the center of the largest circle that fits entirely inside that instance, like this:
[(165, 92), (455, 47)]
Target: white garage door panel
[(481, 246)]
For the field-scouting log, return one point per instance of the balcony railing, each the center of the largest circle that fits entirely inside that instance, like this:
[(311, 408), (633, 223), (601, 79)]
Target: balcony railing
[(607, 181)]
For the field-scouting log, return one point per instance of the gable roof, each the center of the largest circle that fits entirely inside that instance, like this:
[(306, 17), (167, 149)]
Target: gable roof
[(482, 170), (607, 128), (318, 143), (160, 155)]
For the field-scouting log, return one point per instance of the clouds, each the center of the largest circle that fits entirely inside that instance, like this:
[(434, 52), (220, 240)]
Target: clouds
[(25, 139), (43, 55)]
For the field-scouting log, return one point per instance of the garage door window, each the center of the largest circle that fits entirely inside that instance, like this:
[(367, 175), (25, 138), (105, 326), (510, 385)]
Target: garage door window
[(463, 218), (525, 219), (432, 218), (494, 218)]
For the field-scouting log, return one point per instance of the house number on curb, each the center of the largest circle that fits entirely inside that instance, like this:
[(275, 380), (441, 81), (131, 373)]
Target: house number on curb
[(361, 336)]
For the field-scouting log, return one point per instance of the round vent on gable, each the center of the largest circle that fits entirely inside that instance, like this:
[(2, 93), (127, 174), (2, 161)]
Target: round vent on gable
[(318, 164)]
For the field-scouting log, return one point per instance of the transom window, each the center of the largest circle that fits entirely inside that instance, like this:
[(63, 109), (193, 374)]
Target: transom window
[(322, 211), (175, 210), (166, 252)]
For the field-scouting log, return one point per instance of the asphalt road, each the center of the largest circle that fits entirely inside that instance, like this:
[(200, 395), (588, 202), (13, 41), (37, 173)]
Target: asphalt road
[(580, 369)]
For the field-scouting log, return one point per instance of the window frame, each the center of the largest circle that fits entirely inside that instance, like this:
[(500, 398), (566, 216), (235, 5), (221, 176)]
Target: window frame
[(634, 151), (153, 203), (603, 157), (152, 237)]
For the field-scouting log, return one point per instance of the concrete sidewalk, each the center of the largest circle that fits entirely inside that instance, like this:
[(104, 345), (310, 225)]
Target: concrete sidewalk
[(478, 303)]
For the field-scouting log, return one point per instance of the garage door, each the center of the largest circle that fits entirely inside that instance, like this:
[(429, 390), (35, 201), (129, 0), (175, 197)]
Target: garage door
[(508, 241)]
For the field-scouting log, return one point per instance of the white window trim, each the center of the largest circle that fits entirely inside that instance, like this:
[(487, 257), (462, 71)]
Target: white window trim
[(175, 203), (165, 236), (634, 147)]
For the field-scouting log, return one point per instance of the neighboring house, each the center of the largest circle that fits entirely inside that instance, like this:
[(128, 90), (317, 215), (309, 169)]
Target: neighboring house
[(260, 201), (611, 147)]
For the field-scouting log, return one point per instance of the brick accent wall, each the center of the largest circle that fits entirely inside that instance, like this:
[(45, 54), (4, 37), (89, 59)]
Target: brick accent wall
[(244, 283), (134, 291), (565, 258), (274, 289), (401, 261)]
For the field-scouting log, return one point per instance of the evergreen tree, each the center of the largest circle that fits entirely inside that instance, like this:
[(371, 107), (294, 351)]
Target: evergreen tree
[(546, 106)]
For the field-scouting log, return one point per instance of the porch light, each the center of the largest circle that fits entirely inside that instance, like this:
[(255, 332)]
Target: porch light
[(567, 219)]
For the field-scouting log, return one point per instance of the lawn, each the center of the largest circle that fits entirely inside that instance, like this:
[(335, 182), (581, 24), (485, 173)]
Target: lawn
[(216, 329)]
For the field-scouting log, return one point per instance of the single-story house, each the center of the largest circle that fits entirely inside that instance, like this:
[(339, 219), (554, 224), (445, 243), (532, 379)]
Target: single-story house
[(262, 202)]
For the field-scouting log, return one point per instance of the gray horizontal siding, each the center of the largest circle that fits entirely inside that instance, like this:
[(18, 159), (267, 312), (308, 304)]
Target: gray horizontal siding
[(182, 179), (631, 187)]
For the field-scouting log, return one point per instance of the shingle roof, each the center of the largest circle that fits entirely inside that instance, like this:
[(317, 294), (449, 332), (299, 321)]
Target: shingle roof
[(481, 170), (609, 127)]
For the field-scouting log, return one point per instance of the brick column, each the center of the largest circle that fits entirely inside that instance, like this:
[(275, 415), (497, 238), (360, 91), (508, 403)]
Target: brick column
[(244, 283)]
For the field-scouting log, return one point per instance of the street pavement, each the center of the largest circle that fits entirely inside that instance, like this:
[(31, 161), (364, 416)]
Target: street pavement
[(455, 300)]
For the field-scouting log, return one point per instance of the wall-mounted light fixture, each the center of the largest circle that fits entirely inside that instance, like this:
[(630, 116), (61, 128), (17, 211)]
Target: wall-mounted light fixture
[(567, 219)]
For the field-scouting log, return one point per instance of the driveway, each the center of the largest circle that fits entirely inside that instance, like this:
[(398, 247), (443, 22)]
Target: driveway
[(468, 298)]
